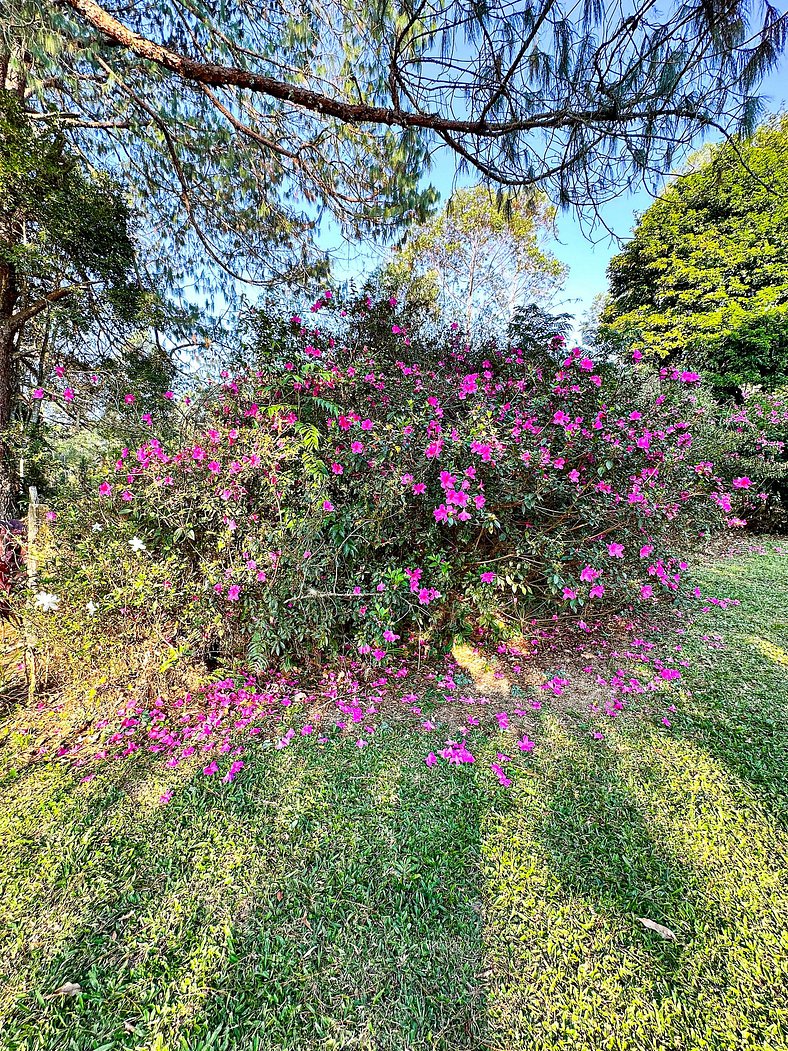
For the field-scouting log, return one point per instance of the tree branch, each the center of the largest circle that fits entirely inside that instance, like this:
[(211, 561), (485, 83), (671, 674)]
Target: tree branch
[(16, 321), (214, 74)]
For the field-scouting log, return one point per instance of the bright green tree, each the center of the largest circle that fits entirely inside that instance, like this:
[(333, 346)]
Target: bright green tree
[(706, 271)]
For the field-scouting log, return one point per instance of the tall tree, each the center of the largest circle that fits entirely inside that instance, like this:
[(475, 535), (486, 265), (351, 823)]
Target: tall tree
[(245, 122), (67, 261), (707, 268), (485, 255)]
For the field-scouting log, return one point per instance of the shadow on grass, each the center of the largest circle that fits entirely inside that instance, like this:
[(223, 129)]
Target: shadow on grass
[(324, 900), (738, 711), (641, 827), (334, 899)]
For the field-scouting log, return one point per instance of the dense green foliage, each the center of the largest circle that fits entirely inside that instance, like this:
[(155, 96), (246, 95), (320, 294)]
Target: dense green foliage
[(61, 227), (71, 297), (706, 273)]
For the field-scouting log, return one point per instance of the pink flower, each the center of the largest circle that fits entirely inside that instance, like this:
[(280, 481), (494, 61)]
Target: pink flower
[(588, 574), (105, 489), (525, 745), (431, 759), (561, 419), (647, 591), (741, 483), (165, 797), (366, 425), (211, 768), (68, 394), (569, 594), (234, 593), (337, 468), (669, 673), (597, 591), (214, 467), (129, 399), (615, 550), (487, 577), (357, 447), (499, 772), (168, 395), (38, 393), (234, 770), (327, 505)]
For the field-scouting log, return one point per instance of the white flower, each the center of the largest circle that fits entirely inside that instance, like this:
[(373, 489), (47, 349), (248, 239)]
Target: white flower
[(136, 544), (47, 601), (97, 527), (91, 607)]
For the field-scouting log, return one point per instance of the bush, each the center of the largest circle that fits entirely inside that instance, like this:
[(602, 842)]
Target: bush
[(364, 489), (757, 433)]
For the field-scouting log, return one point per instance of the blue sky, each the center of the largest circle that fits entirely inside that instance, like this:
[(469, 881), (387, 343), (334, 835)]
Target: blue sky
[(586, 257)]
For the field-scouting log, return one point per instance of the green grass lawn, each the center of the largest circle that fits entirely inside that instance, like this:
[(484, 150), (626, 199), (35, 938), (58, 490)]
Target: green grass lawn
[(333, 899)]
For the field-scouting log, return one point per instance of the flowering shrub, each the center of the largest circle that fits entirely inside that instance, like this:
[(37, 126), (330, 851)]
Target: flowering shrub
[(367, 491), (756, 433)]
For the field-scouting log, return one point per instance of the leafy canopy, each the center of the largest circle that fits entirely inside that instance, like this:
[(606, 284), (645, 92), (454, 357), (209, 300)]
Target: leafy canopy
[(245, 124), (64, 232), (707, 268)]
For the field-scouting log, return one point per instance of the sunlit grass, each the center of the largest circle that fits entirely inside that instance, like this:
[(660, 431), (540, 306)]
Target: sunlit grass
[(343, 898)]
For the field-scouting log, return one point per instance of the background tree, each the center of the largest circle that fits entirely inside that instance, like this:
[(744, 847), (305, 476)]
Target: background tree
[(244, 124), (483, 254), (707, 268), (67, 263)]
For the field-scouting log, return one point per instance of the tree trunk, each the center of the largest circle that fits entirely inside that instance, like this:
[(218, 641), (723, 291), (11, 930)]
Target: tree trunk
[(9, 294), (11, 79), (471, 285)]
